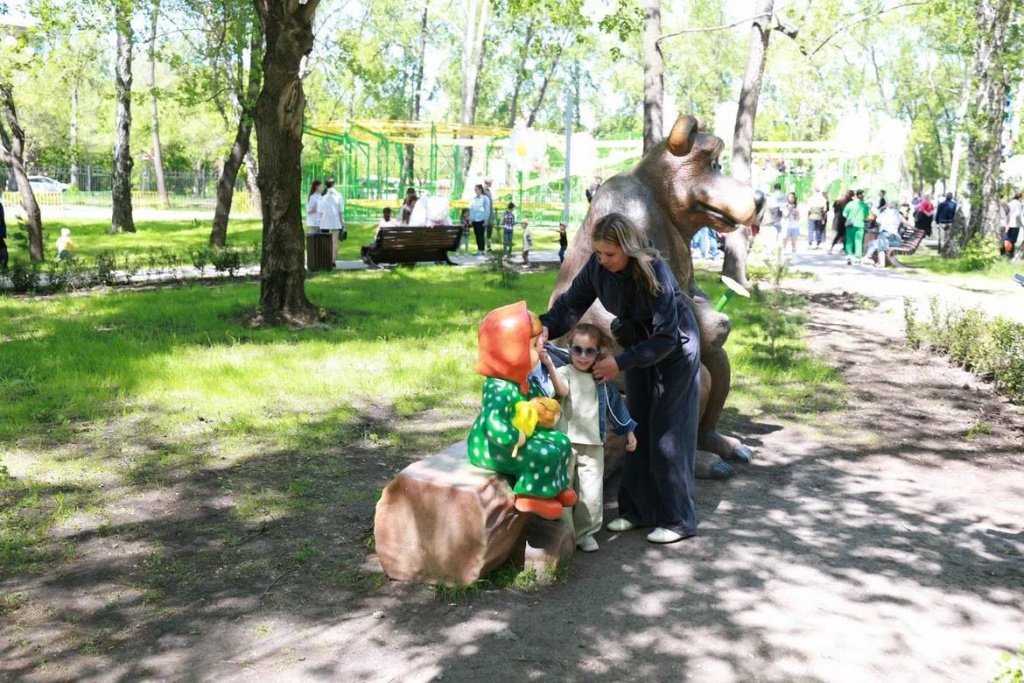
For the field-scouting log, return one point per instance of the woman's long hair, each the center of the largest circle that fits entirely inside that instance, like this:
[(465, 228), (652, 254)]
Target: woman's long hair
[(314, 188), (618, 229)]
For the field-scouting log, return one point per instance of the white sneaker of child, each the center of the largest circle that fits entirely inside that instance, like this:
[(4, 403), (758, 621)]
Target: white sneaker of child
[(620, 524), (587, 544), (662, 535)]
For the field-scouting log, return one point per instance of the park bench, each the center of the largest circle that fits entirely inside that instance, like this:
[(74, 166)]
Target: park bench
[(912, 239), (409, 244)]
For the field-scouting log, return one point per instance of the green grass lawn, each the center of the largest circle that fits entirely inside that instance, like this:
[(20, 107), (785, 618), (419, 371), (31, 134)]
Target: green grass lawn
[(154, 439), (928, 259), (92, 237)]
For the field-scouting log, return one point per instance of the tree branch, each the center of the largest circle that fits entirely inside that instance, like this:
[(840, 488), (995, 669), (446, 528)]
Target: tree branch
[(711, 28), (848, 26)]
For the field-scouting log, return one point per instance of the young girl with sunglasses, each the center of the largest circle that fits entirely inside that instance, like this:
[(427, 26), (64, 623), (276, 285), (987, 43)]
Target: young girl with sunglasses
[(585, 403)]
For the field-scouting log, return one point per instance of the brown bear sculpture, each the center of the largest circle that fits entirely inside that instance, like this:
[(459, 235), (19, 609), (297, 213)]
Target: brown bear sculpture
[(675, 190)]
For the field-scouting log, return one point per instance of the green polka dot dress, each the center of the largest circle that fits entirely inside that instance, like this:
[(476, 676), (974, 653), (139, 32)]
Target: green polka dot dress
[(541, 465)]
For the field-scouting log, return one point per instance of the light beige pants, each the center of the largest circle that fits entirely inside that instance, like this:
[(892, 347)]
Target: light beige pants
[(588, 513)]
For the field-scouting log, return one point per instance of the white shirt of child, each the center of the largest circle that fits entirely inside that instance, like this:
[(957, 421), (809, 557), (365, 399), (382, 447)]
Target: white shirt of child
[(580, 418)]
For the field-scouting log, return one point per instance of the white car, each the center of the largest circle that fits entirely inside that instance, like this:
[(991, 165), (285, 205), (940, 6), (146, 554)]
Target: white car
[(40, 183)]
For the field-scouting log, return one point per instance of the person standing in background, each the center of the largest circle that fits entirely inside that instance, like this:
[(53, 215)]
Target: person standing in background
[(563, 242), (313, 207), (490, 216), (839, 219), (944, 214), (856, 214), (817, 207), (4, 255), (1016, 207)]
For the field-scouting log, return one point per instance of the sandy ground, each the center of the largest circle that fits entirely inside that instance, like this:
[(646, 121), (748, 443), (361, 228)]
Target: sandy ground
[(881, 543)]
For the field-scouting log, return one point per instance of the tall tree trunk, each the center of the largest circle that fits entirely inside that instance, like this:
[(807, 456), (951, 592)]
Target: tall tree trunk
[(12, 153), (547, 80), (73, 135), (958, 140), (524, 53), (654, 75), (472, 63), (121, 178), (737, 242), (240, 148), (289, 37), (984, 141), (409, 172), (251, 176), (158, 157)]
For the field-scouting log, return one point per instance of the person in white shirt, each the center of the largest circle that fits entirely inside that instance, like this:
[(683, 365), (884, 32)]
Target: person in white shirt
[(386, 221), (313, 207), (332, 216), (889, 222)]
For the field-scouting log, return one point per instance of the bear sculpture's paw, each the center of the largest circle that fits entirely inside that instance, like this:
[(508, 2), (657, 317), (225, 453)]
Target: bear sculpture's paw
[(742, 454)]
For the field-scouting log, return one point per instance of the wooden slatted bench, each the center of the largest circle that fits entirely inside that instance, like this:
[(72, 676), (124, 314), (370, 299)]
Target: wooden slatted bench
[(911, 241), (409, 244)]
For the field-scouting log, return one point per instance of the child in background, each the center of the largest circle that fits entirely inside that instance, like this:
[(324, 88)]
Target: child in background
[(792, 217), (467, 227), (585, 405), (509, 221), (527, 242), (563, 242), (65, 246)]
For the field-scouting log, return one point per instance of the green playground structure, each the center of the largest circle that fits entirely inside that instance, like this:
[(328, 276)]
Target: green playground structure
[(370, 162)]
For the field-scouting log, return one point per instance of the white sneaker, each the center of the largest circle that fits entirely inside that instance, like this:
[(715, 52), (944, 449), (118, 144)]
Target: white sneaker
[(661, 535), (587, 544), (620, 524)]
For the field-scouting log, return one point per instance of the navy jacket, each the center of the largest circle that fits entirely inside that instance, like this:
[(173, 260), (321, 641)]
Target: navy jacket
[(663, 324), (945, 211)]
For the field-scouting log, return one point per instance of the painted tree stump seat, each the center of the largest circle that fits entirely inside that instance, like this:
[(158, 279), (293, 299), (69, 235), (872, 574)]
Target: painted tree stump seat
[(442, 520), (410, 244)]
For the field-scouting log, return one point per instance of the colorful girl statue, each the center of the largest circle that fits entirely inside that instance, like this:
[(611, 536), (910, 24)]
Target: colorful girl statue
[(514, 433)]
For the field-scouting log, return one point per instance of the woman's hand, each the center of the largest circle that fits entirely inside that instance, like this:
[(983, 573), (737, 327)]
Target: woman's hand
[(605, 369), (630, 442)]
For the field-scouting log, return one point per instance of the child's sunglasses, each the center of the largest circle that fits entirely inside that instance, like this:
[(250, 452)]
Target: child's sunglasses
[(588, 352)]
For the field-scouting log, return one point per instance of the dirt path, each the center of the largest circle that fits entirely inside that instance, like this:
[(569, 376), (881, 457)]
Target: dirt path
[(881, 544)]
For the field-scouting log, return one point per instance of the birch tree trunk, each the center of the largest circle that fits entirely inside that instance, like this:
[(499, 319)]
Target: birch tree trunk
[(154, 110), (472, 63), (984, 140), (121, 178), (12, 153), (240, 149), (73, 135), (654, 75), (288, 32), (409, 171), (737, 242), (520, 74), (547, 81), (251, 176), (958, 140)]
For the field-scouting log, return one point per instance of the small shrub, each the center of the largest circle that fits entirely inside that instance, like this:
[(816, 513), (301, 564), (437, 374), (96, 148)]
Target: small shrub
[(227, 259), (980, 253), (913, 329), (130, 266), (201, 258), (1011, 667), (106, 264), (991, 348), (24, 276), (507, 277)]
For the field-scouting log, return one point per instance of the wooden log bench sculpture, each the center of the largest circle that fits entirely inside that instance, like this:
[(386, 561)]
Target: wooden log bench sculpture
[(442, 520), (410, 244)]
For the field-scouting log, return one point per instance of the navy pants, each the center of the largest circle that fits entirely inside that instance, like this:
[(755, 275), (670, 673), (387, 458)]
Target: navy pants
[(657, 487)]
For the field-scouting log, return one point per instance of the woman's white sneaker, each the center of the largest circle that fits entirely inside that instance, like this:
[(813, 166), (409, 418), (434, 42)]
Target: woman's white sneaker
[(620, 524), (587, 544), (661, 535)]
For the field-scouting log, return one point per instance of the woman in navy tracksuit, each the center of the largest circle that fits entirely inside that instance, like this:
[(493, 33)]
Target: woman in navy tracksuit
[(662, 364)]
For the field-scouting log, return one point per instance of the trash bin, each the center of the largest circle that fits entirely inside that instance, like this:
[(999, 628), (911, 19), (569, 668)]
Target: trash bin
[(319, 252)]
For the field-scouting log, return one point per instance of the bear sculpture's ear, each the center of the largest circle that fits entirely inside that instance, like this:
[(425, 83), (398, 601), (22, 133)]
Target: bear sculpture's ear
[(680, 140)]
